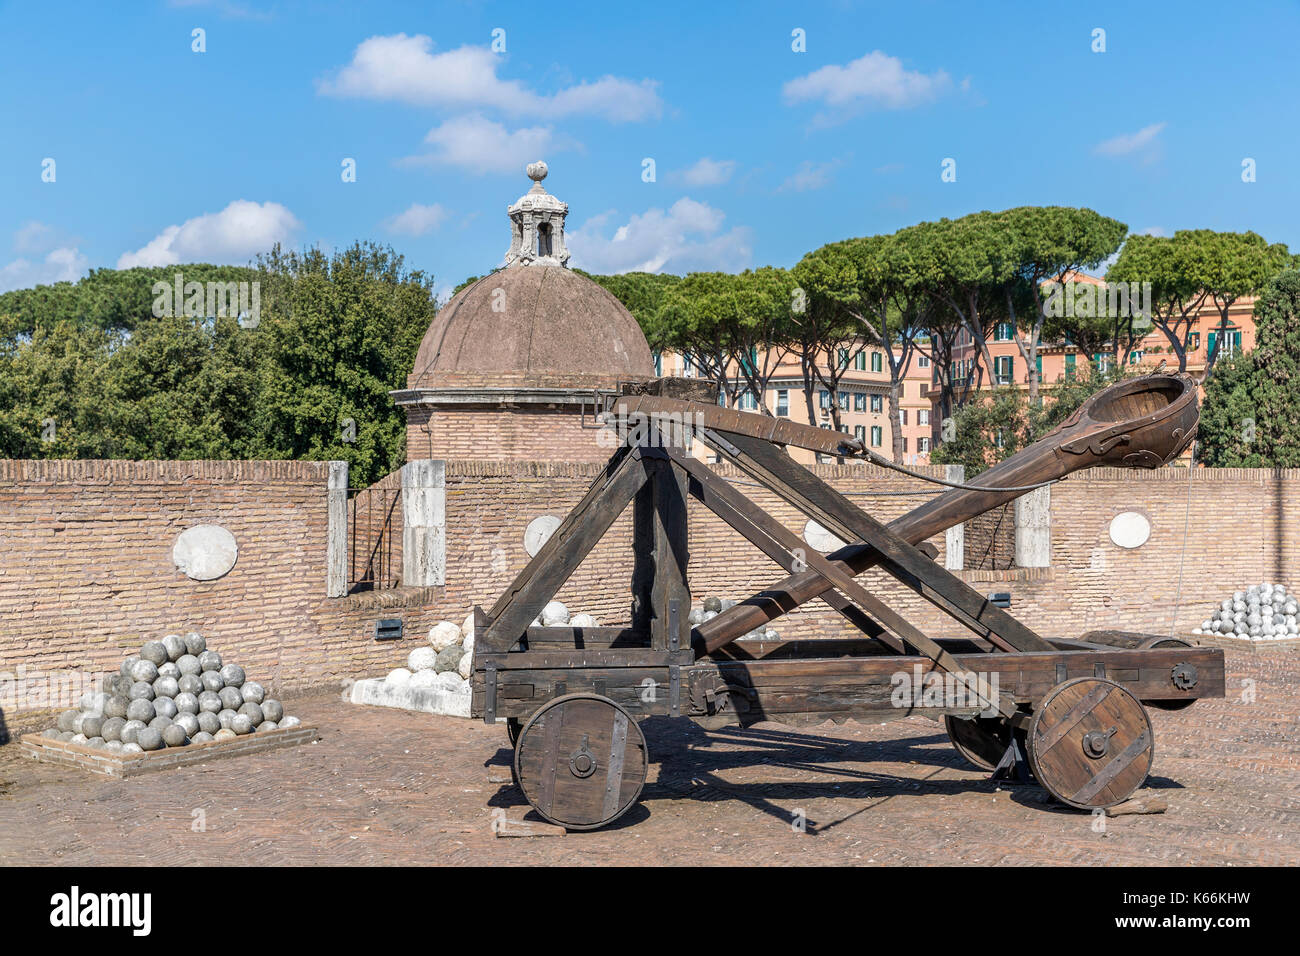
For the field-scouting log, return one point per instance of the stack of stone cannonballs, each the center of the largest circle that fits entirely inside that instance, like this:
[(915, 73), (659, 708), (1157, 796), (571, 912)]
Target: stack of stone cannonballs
[(445, 663), (714, 606), (1263, 612), (173, 693)]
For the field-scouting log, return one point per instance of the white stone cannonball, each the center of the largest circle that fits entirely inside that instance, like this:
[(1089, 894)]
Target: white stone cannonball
[(241, 724), (141, 710), (696, 616), (189, 664), (202, 737), (398, 677), (189, 684), (233, 675), (443, 635), (468, 644), (195, 644), (188, 723), (169, 670), (67, 720), (467, 627), (272, 709), (186, 703), (143, 670), (150, 739), (130, 730), (160, 722), (131, 747), (79, 739), (555, 614), (212, 681), (422, 659), (583, 620), (141, 690), (210, 661), (425, 678), (253, 712), (114, 746), (225, 733), (154, 653), (450, 680), (466, 666), (252, 691), (174, 736), (174, 645), (265, 726), (127, 664), (166, 687), (226, 718), (231, 698), (209, 702), (287, 722), (208, 721), (165, 707)]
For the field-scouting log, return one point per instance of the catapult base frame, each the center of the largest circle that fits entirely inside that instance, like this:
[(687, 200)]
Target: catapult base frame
[(1068, 711)]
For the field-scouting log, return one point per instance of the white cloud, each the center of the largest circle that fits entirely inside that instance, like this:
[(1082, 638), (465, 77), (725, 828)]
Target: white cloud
[(809, 176), (232, 236), (481, 145), (405, 69), (417, 220), (708, 172), (876, 79), (685, 238), (1126, 144), (64, 264)]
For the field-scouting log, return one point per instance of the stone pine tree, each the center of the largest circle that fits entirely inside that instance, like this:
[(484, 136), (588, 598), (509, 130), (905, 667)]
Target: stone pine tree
[(1252, 404)]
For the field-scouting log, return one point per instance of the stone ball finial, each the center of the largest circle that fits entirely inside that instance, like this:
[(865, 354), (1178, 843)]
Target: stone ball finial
[(536, 171)]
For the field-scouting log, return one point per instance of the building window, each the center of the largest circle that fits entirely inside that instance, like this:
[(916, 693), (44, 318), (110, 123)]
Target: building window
[(688, 367), (1135, 357), (1231, 344), (1003, 370), (659, 363), (824, 397), (923, 445), (860, 433), (1103, 362), (1038, 364), (783, 402), (876, 404), (748, 402), (875, 362), (876, 436), (1003, 332), (1194, 341), (845, 429), (844, 401), (859, 401), (1070, 363), (923, 361), (902, 416), (904, 444), (844, 358), (923, 416), (860, 361)]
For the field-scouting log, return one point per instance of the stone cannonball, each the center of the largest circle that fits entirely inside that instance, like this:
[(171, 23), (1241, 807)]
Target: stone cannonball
[(144, 671), (114, 746), (132, 748), (231, 698), (189, 684), (150, 739), (212, 681), (159, 722), (96, 743), (713, 604), (187, 722), (227, 718), (224, 734), (154, 653), (448, 659), (141, 690), (253, 712), (111, 728), (127, 664), (79, 739), (186, 703), (252, 691), (67, 720), (194, 643), (115, 685), (166, 687), (174, 736), (92, 725), (141, 710), (422, 659), (78, 720), (241, 725), (175, 647), (272, 709), (116, 706), (66, 735), (202, 737), (210, 661), (208, 721), (233, 675), (189, 664), (130, 731), (209, 702), (266, 725), (169, 670), (287, 722), (164, 707), (555, 613), (92, 702)]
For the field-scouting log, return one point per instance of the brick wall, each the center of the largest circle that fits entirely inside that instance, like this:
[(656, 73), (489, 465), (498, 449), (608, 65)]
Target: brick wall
[(524, 433)]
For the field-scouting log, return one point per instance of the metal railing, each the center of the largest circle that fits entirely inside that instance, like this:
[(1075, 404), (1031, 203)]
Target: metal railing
[(374, 518)]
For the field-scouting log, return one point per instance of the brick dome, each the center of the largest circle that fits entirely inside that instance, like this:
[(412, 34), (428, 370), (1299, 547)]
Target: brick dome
[(532, 325)]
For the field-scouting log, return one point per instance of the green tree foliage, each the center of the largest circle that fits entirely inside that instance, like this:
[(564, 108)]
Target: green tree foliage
[(1251, 416), (87, 370)]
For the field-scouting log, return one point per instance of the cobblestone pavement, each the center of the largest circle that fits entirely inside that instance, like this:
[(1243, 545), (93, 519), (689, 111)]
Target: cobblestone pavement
[(390, 787)]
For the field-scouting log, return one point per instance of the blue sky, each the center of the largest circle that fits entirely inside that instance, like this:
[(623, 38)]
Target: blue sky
[(162, 154)]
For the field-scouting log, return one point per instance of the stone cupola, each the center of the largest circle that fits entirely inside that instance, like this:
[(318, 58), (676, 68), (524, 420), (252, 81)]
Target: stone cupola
[(537, 225)]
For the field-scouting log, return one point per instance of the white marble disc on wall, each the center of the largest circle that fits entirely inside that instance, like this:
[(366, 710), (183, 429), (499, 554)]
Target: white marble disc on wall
[(205, 552), (538, 531), (1130, 529), (819, 539)]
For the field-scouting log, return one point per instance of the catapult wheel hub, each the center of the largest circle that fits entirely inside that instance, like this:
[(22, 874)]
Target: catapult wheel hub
[(981, 740), (1090, 743), (581, 761)]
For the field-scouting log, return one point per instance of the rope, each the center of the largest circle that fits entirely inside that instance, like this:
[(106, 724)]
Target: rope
[(886, 463), (1182, 560)]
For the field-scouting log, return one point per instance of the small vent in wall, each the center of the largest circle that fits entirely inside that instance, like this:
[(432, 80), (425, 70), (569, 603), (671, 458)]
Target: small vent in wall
[(389, 629)]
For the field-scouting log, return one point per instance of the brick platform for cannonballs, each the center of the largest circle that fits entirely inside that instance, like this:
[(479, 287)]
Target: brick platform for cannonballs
[(110, 764)]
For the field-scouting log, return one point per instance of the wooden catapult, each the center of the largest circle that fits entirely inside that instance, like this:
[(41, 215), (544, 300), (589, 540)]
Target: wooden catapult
[(1069, 711)]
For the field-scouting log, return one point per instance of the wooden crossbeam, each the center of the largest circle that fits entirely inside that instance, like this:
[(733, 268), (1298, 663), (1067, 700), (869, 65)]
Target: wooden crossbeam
[(799, 487), (564, 550), (788, 550)]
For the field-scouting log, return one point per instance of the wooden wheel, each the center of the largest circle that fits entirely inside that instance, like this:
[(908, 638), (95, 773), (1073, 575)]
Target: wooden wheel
[(1090, 743), (981, 740), (581, 761)]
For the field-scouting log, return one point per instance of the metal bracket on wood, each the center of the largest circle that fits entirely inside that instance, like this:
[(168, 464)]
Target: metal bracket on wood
[(1099, 670), (490, 695), (1061, 673), (674, 612), (675, 690)]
